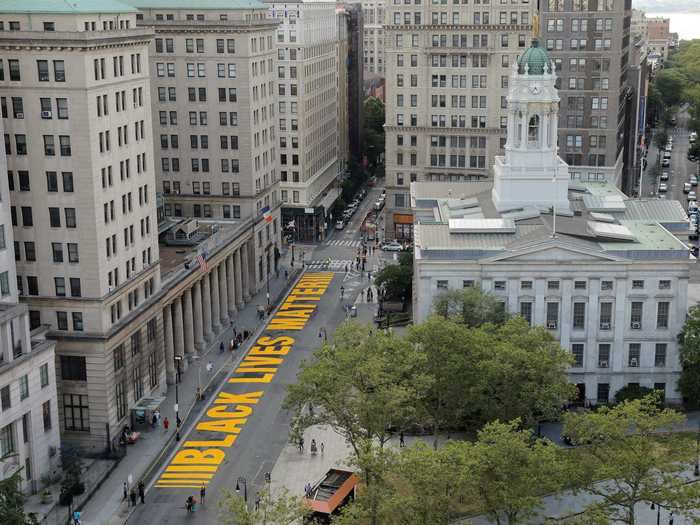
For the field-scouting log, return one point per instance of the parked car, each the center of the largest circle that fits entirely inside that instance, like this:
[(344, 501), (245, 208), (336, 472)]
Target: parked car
[(664, 175), (692, 157), (693, 180), (692, 207), (663, 187), (339, 225), (669, 148), (693, 137), (392, 246), (692, 196), (665, 163), (687, 187)]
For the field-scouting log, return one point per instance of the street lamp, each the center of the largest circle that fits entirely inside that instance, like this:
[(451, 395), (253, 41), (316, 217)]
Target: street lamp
[(239, 482), (178, 358)]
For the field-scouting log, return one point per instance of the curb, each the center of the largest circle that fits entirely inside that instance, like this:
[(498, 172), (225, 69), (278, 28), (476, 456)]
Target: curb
[(168, 447)]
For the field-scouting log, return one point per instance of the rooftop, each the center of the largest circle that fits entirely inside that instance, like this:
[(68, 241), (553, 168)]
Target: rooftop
[(459, 221), (198, 5), (65, 6)]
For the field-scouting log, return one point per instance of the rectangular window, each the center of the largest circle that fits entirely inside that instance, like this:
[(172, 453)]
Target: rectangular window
[(442, 285), (552, 316), (46, 412), (73, 368), (5, 399), (579, 316), (499, 285), (604, 355), (637, 310), (120, 399), (660, 355), (7, 440), (634, 353), (603, 393), (76, 414), (637, 285), (552, 285), (526, 311), (44, 375), (662, 310), (577, 352), (606, 316)]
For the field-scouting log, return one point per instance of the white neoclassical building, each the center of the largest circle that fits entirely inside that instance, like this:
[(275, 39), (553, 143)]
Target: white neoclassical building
[(607, 275)]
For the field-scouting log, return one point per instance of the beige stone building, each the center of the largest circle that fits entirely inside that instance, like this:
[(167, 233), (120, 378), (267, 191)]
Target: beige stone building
[(29, 437), (342, 86), (307, 70), (447, 69), (76, 104), (373, 41)]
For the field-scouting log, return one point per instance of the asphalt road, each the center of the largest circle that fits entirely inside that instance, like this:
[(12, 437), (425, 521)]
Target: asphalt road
[(264, 432)]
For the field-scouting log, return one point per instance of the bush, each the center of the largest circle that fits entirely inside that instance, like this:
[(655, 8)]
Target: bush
[(632, 392)]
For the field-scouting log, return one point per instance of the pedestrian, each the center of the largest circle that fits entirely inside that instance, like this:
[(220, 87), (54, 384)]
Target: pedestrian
[(221, 347), (154, 420), (402, 443), (342, 291), (323, 447), (301, 445), (257, 501), (132, 496), (346, 268), (189, 505), (210, 366), (369, 276), (166, 423), (202, 493), (76, 517), (157, 414), (126, 492), (142, 492), (286, 274)]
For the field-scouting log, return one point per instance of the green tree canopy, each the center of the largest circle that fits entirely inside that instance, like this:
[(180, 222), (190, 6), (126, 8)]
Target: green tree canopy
[(12, 502), (397, 279), (625, 447), (271, 510), (689, 339), (670, 84), (470, 306)]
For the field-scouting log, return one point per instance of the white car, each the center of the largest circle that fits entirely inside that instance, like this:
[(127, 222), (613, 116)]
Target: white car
[(692, 196), (664, 175), (687, 187), (392, 246), (693, 180), (663, 187), (665, 163), (339, 225)]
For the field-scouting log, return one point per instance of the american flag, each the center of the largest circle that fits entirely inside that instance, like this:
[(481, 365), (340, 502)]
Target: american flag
[(202, 263)]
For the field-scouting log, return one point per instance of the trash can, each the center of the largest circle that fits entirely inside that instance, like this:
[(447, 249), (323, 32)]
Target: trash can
[(353, 311)]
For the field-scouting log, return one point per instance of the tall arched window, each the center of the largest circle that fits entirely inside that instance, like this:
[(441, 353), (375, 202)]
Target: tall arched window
[(533, 129)]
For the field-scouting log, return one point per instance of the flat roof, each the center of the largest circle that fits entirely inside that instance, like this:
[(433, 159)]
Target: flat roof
[(197, 5), (65, 6)]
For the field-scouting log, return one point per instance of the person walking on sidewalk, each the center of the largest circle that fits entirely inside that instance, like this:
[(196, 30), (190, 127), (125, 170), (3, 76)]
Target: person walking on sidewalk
[(301, 445), (323, 447), (342, 292), (132, 497), (202, 494), (402, 443), (126, 492), (142, 492), (257, 501), (221, 347)]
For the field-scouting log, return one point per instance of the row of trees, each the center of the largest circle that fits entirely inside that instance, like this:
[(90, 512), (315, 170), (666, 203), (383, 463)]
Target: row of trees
[(472, 369)]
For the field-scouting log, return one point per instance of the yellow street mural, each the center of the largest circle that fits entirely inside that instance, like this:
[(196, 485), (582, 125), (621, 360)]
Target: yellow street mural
[(197, 462)]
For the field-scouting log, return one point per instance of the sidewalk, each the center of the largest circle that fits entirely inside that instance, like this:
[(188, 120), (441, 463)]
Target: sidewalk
[(106, 506)]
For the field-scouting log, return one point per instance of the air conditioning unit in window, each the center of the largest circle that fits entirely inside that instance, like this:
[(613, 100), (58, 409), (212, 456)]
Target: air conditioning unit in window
[(19, 115), (45, 114), (634, 362), (605, 326), (603, 364), (551, 325), (636, 326)]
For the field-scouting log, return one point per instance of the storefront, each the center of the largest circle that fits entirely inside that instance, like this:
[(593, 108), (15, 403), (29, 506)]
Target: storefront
[(310, 224), (403, 226)]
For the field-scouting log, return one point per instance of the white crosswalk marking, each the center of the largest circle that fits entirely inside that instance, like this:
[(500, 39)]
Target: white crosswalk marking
[(339, 242), (334, 264), (362, 298)]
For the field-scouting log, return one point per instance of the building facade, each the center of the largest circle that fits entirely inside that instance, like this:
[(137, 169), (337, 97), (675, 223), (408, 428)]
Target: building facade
[(29, 437), (447, 72), (604, 274), (350, 40), (307, 70), (590, 45), (373, 38)]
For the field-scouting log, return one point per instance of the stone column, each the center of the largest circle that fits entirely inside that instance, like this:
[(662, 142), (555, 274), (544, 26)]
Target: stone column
[(237, 274), (197, 303), (188, 322), (206, 309), (179, 332), (223, 294), (245, 271), (544, 132), (523, 127), (214, 286), (231, 287), (168, 342)]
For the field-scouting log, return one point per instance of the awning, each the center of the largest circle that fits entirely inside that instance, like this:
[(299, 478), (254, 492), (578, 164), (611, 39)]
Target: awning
[(402, 218), (330, 198), (329, 493)]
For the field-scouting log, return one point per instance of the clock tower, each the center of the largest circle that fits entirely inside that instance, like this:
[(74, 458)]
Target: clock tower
[(531, 174)]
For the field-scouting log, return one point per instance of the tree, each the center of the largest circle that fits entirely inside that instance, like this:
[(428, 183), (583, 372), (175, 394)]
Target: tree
[(12, 502), (283, 509), (364, 385), (471, 307), (689, 340), (509, 472), (632, 391), (638, 463), (373, 144), (660, 140), (670, 84), (493, 372), (397, 279)]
